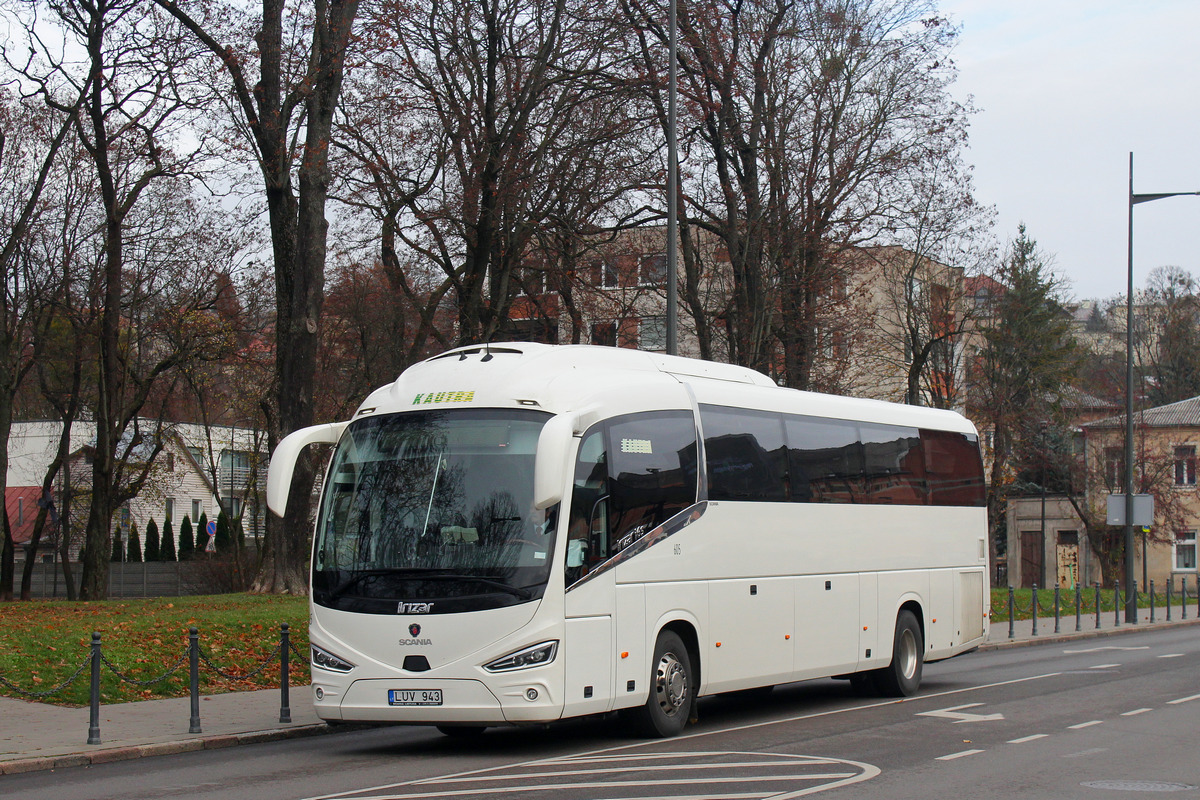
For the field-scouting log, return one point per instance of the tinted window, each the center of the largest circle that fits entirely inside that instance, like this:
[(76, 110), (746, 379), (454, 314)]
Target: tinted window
[(953, 468), (825, 460), (632, 474), (745, 454), (893, 469)]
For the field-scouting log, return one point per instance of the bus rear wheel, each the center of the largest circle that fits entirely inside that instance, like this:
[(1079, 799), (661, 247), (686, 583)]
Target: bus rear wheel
[(902, 677), (672, 690)]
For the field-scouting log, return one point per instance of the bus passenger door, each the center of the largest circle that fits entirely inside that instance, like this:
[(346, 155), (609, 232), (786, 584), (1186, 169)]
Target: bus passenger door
[(589, 656)]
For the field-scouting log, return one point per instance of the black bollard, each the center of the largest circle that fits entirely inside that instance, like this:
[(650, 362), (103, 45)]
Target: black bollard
[(285, 707), (194, 678), (94, 712)]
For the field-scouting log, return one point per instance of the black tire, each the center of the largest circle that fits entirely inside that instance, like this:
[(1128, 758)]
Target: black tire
[(902, 677), (672, 690), (461, 731)]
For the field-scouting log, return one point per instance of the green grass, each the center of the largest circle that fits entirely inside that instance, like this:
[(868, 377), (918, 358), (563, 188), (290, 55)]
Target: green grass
[(42, 644)]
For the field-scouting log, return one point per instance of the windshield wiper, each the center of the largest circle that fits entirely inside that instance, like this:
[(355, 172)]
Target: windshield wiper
[(355, 579)]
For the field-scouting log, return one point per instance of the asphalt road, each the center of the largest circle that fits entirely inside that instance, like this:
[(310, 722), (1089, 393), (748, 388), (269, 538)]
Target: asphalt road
[(1099, 718)]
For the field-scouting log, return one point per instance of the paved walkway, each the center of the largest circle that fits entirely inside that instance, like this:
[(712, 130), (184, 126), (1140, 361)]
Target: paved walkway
[(37, 736)]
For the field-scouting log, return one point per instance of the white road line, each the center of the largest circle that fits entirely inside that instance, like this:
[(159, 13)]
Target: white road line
[(953, 756), (1183, 700), (1172, 655), (1136, 711), (714, 732), (618, 770), (1086, 724), (1025, 739), (459, 791), (1104, 666)]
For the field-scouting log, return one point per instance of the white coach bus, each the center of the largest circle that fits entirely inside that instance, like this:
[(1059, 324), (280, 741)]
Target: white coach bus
[(520, 533)]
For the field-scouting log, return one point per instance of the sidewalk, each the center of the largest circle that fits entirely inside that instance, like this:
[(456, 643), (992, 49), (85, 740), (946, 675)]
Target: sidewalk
[(37, 736)]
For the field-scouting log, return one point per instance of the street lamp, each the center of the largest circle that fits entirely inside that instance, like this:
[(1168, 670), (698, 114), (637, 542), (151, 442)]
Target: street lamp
[(1130, 596)]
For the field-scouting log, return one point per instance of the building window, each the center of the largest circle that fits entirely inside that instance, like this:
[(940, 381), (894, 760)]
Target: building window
[(654, 269), (653, 333), (604, 333), (604, 274), (169, 510), (1185, 466), (1114, 467), (195, 510), (1185, 550)]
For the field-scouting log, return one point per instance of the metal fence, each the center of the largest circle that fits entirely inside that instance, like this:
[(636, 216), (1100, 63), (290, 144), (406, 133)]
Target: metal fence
[(130, 579), (1046, 602), (193, 655)]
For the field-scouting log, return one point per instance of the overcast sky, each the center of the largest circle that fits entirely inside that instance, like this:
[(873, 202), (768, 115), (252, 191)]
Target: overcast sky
[(1066, 89)]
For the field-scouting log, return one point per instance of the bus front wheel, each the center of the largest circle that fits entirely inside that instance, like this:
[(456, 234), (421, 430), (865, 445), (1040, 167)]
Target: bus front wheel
[(672, 690), (902, 677)]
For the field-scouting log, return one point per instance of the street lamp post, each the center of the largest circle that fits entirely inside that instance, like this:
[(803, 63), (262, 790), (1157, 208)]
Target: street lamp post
[(1130, 566)]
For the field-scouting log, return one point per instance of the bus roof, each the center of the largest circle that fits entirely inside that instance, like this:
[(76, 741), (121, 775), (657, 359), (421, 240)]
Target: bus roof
[(563, 378)]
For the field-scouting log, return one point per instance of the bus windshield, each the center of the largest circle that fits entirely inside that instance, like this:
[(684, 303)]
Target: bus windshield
[(433, 511)]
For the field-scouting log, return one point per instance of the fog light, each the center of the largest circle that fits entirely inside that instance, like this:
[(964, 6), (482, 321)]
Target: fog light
[(531, 694), (320, 693)]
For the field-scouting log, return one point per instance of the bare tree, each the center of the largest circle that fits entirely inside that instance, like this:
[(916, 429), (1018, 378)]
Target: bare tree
[(283, 109), (30, 139)]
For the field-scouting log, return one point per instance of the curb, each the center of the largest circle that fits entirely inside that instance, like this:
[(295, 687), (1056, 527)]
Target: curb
[(1063, 636), (130, 752)]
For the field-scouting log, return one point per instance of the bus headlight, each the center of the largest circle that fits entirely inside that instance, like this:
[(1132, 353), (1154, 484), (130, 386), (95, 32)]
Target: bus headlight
[(533, 656), (326, 660)]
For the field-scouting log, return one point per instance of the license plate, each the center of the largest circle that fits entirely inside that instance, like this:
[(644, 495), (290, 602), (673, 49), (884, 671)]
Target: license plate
[(414, 697)]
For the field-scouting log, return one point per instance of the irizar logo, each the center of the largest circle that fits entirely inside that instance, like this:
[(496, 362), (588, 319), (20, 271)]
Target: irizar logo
[(414, 608)]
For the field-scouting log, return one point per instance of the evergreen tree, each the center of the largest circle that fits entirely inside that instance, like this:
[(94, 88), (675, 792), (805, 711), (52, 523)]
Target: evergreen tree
[(202, 536), (167, 551), (224, 541), (187, 544), (135, 545), (116, 547), (152, 541), (1028, 360)]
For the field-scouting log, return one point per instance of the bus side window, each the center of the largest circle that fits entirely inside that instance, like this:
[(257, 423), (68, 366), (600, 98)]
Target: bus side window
[(588, 505), (652, 472)]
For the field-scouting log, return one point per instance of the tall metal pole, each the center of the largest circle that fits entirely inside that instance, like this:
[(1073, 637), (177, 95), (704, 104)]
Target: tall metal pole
[(1130, 600), (1130, 566), (672, 205)]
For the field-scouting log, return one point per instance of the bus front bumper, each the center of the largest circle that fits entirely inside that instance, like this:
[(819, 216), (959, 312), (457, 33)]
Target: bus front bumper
[(417, 701)]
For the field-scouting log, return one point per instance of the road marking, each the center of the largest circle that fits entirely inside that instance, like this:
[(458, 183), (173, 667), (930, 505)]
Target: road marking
[(800, 775), (1183, 700), (960, 717), (1136, 711), (1025, 739), (1085, 724), (953, 756), (1172, 655), (1104, 666), (735, 729), (1108, 647)]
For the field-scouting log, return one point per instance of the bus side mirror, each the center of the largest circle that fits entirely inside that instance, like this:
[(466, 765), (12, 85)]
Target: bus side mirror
[(283, 460), (552, 466)]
